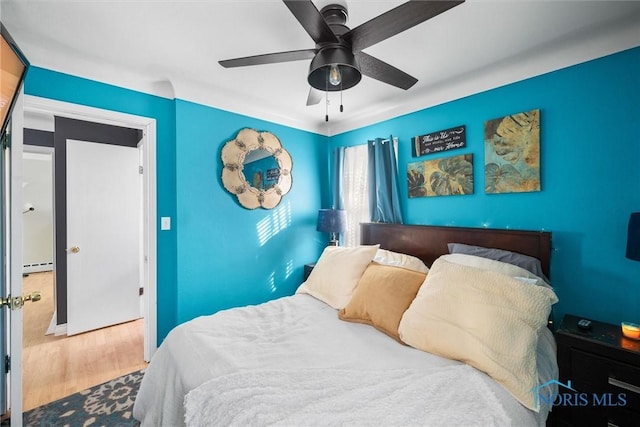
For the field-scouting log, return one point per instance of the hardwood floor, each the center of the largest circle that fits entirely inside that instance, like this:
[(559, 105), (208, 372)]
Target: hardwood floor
[(57, 366)]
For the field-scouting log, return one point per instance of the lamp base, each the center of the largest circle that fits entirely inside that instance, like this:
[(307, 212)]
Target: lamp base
[(631, 330)]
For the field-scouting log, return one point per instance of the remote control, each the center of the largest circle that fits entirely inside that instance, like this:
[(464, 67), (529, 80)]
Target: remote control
[(584, 324)]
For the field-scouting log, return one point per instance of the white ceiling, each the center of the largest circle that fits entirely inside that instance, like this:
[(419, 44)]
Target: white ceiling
[(172, 49)]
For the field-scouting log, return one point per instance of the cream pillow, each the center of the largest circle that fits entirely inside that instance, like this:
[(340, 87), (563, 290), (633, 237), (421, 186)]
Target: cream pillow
[(383, 294), (337, 272), (397, 259), (486, 319)]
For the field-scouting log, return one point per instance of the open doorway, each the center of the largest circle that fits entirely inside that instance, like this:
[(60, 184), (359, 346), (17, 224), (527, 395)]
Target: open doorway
[(37, 209), (137, 337)]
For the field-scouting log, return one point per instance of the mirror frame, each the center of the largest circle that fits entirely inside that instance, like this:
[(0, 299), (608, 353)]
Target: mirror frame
[(233, 179)]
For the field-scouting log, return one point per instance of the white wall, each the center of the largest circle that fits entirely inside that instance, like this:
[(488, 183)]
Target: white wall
[(37, 191)]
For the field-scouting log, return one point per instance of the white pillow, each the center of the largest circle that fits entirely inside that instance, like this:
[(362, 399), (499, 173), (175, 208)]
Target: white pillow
[(498, 266), (336, 274), (486, 319), (397, 259)]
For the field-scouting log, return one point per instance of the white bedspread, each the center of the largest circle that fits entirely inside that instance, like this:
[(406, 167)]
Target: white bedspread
[(454, 396), (292, 335)]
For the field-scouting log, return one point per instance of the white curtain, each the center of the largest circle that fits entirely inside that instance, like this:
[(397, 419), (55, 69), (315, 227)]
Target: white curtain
[(356, 192)]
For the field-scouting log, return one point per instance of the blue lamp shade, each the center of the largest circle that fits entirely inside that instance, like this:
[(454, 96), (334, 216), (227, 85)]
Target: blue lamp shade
[(633, 237), (332, 221)]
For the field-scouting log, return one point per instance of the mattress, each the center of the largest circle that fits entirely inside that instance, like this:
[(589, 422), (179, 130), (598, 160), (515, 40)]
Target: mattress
[(300, 340)]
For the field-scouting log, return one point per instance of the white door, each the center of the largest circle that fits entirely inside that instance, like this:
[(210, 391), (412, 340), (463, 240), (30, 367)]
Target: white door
[(4, 273), (103, 235), (13, 258), (4, 283)]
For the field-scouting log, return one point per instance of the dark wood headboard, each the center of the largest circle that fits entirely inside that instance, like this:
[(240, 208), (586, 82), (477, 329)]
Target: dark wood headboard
[(429, 242)]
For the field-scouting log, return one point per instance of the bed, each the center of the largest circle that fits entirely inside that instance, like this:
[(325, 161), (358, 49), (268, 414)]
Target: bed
[(419, 325)]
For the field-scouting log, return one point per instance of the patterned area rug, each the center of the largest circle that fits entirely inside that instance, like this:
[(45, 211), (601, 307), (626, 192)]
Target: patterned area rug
[(109, 404)]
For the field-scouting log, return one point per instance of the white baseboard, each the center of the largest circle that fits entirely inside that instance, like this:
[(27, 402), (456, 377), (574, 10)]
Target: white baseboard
[(61, 330), (37, 267), (52, 324), (54, 328)]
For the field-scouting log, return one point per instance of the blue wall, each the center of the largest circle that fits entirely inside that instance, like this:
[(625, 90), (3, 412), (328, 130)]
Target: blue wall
[(217, 254), (227, 255), (590, 167)]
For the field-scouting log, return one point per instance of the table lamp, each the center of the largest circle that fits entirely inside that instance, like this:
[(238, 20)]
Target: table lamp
[(332, 221), (632, 330), (633, 237)]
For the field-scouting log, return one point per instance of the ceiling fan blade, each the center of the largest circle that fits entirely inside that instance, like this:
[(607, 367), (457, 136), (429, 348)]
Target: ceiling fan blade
[(311, 20), (380, 70), (269, 58), (395, 21), (315, 96)]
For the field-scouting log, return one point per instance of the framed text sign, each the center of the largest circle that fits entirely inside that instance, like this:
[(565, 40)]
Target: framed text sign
[(442, 140), (273, 174)]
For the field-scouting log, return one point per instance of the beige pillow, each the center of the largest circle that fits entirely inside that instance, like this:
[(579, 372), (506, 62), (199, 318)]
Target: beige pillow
[(337, 272), (397, 259), (383, 294), (486, 319)]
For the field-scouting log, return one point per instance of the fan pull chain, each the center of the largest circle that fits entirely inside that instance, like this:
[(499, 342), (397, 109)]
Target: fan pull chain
[(326, 107), (326, 104)]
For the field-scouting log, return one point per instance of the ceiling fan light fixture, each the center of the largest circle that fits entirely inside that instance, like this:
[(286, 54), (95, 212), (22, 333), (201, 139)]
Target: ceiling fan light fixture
[(334, 64)]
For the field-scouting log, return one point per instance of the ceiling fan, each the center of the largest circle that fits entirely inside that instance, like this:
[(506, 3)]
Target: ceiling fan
[(337, 61)]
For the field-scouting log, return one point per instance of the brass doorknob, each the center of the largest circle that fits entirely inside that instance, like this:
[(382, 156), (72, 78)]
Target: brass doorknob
[(16, 303), (74, 249)]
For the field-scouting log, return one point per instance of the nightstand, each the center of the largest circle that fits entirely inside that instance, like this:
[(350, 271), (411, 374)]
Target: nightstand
[(599, 376), (307, 270)]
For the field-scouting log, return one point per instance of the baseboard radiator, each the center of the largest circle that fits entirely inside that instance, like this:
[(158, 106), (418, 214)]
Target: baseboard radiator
[(37, 267)]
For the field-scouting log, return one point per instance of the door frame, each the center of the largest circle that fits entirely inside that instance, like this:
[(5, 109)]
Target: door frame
[(148, 127)]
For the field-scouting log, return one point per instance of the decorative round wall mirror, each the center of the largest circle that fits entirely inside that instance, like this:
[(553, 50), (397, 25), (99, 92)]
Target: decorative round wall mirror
[(256, 168)]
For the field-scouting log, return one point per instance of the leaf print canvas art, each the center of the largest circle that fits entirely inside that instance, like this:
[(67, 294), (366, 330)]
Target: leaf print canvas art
[(442, 177), (512, 153)]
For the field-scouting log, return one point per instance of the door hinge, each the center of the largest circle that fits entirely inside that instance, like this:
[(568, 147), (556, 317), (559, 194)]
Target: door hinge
[(140, 170), (7, 363), (141, 291), (6, 140)]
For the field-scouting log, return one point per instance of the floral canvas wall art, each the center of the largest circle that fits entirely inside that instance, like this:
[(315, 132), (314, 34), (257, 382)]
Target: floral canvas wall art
[(512, 153)]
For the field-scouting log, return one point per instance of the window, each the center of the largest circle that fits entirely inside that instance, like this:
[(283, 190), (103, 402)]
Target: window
[(355, 190), (355, 179)]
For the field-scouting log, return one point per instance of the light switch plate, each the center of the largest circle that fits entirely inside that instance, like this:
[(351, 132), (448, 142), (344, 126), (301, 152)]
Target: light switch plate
[(165, 223)]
